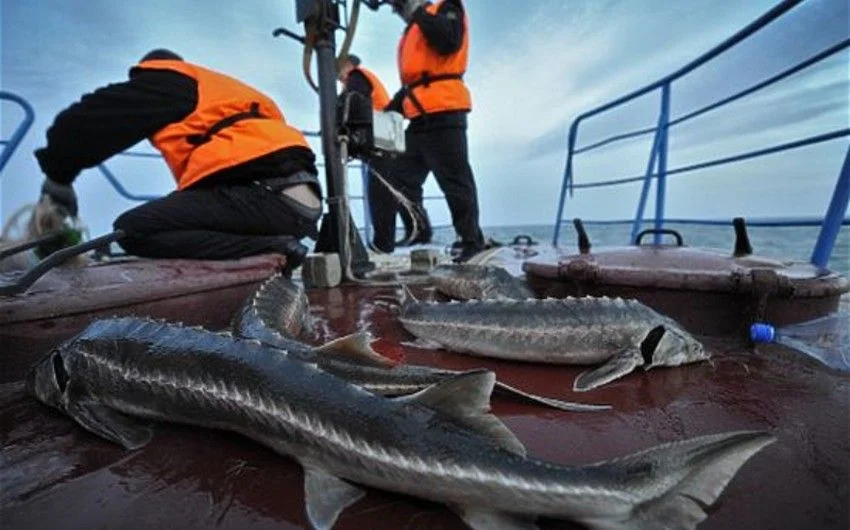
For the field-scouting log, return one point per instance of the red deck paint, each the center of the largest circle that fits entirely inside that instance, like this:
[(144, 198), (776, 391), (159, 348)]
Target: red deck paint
[(55, 474)]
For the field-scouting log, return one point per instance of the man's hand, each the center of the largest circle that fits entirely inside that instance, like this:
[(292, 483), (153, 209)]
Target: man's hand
[(62, 195), (406, 8)]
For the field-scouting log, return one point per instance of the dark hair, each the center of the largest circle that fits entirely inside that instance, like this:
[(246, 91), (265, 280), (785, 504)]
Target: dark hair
[(161, 54), (353, 59)]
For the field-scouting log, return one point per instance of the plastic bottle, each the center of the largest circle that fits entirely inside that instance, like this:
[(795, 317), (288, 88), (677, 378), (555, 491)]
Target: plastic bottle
[(826, 339)]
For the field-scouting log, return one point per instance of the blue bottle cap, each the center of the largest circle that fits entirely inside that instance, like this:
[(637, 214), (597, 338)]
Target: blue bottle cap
[(762, 333)]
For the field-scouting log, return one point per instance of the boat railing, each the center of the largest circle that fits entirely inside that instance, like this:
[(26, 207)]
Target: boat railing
[(365, 226), (9, 145), (657, 170)]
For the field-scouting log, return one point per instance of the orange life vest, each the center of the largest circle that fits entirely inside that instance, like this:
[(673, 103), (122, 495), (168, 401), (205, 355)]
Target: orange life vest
[(231, 124), (380, 96), (434, 82)]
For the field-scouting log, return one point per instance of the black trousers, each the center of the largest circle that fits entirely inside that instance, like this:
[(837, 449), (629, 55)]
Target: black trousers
[(444, 152), (222, 222), (382, 204)]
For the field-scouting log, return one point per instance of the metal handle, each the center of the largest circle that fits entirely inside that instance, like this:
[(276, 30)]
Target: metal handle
[(677, 235)]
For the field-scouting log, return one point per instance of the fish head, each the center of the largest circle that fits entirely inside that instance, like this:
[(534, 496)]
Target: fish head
[(48, 379), (674, 347)]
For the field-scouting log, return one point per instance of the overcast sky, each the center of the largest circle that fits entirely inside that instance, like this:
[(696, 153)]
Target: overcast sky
[(534, 67)]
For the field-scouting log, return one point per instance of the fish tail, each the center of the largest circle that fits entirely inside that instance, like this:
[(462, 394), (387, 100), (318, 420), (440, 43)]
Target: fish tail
[(682, 479)]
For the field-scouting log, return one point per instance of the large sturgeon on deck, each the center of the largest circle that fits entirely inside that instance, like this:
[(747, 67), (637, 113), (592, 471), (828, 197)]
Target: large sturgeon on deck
[(622, 334), (440, 444), (278, 310)]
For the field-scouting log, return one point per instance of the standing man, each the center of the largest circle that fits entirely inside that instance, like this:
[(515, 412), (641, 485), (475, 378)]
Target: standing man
[(432, 58), (246, 180), (363, 92)]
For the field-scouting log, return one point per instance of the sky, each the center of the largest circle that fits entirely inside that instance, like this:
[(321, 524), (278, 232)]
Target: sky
[(534, 67)]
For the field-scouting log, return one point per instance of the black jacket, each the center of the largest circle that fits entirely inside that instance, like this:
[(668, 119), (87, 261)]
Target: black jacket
[(115, 117)]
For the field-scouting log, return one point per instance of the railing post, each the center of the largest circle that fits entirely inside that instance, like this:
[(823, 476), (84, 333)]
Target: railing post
[(12, 143), (647, 181), (367, 212), (661, 185), (568, 175), (834, 217)]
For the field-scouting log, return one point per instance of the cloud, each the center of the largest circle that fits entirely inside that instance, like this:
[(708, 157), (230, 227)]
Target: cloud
[(535, 66)]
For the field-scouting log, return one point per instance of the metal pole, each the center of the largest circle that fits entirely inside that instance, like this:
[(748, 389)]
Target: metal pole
[(834, 216), (661, 185), (568, 176), (326, 58), (647, 182), (367, 210)]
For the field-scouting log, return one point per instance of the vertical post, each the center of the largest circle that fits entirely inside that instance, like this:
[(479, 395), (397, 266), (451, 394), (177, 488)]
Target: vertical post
[(647, 181), (568, 176), (11, 144), (834, 217), (367, 212), (326, 58), (661, 185)]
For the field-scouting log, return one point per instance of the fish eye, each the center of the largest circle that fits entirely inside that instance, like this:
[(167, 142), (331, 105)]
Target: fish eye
[(59, 372), (647, 347)]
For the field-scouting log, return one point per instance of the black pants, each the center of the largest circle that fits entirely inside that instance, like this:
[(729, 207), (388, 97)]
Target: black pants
[(443, 151), (222, 222), (382, 204)]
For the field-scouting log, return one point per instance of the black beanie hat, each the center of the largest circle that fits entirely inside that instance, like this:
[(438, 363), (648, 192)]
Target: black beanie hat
[(161, 54)]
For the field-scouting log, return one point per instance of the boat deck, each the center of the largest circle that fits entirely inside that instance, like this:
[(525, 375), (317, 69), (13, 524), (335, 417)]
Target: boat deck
[(55, 474)]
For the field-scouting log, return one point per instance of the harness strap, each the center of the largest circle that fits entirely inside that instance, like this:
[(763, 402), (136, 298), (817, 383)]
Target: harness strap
[(200, 139), (425, 81)]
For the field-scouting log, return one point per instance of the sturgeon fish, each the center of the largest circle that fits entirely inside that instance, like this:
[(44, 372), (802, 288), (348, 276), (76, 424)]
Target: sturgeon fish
[(440, 444), (278, 307), (478, 282), (277, 300), (622, 334)]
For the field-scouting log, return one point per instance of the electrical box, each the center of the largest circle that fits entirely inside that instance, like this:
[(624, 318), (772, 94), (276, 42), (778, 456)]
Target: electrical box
[(388, 131)]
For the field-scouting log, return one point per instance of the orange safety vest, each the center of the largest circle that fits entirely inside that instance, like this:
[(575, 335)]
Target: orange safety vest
[(231, 124), (380, 96), (433, 82)]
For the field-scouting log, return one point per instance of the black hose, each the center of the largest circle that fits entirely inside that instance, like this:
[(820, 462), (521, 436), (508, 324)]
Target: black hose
[(58, 257)]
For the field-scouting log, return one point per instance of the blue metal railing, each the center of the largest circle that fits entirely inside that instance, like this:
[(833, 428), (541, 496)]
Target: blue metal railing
[(657, 166), (12, 143)]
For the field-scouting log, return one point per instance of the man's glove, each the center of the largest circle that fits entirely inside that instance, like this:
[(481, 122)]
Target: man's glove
[(62, 195), (406, 8)]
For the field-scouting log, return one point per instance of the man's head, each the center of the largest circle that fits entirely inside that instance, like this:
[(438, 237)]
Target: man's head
[(161, 54), (349, 63), (406, 8)]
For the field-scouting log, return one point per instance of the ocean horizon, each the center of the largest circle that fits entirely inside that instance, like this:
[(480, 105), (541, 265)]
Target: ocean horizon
[(784, 243)]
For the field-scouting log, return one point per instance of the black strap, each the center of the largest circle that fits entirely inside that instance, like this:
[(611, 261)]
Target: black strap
[(200, 139), (425, 81)]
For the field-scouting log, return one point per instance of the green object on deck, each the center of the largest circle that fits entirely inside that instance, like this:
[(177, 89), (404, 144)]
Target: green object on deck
[(70, 236)]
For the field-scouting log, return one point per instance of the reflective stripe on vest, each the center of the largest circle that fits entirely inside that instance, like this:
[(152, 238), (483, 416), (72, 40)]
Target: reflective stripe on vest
[(231, 124), (380, 96), (433, 82)]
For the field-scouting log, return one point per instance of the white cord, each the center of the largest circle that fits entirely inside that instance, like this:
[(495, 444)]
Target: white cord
[(345, 207)]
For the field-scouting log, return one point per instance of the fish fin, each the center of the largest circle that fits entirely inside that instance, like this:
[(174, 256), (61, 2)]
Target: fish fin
[(327, 496), (355, 347), (110, 424), (466, 398), (622, 363), (483, 519), (705, 465), (549, 402)]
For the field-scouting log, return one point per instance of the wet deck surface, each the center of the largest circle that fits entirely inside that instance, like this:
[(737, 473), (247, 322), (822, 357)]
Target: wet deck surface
[(53, 474)]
